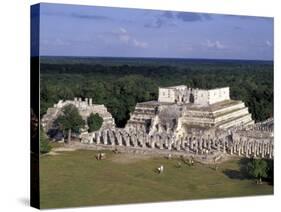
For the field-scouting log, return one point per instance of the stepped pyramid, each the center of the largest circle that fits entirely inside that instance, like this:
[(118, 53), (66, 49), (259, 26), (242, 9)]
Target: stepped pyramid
[(198, 109)]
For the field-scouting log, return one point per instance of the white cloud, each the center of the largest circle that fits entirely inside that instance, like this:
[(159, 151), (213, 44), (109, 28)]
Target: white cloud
[(126, 38), (215, 44), (139, 44), (268, 43), (123, 30)]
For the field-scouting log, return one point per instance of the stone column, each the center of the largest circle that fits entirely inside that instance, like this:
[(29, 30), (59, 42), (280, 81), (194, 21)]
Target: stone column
[(255, 150), (182, 143), (169, 144), (127, 140), (134, 140), (152, 143), (105, 137), (267, 149), (196, 146), (231, 150), (246, 150), (219, 146), (119, 138), (201, 142), (262, 150), (239, 148), (269, 152), (90, 101), (97, 134), (208, 145), (243, 147), (223, 146), (75, 101), (112, 138), (91, 138), (166, 142)]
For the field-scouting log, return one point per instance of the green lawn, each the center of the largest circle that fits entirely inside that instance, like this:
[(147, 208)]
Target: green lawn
[(74, 179)]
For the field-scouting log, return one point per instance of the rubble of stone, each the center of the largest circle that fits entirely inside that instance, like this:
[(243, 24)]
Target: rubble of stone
[(192, 122), (85, 108)]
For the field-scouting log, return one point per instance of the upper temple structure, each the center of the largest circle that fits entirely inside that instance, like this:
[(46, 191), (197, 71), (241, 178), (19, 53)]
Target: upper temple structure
[(182, 95)]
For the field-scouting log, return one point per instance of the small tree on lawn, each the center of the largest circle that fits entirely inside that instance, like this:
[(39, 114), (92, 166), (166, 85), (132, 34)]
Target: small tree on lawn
[(45, 147), (70, 120), (94, 122), (258, 169)]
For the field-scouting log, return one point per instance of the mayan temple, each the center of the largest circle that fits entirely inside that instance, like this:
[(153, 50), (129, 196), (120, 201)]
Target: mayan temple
[(205, 124), (85, 108), (183, 108)]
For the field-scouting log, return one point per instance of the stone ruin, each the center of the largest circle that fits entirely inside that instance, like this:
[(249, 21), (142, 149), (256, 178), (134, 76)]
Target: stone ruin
[(212, 130), (85, 108)]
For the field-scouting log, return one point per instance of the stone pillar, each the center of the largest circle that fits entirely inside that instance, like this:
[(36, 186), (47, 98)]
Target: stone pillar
[(201, 142), (91, 138), (90, 101), (239, 148), (219, 147), (255, 150), (127, 140), (169, 144), (117, 134), (140, 140), (105, 137), (152, 144), (112, 138), (246, 150), (208, 144), (267, 149), (134, 140), (262, 150), (97, 135), (196, 146), (243, 147), (182, 143), (270, 151)]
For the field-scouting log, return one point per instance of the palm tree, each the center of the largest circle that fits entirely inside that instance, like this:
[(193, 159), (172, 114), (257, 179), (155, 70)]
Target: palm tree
[(258, 169)]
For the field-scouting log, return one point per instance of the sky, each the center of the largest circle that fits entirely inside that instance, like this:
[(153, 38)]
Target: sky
[(74, 30)]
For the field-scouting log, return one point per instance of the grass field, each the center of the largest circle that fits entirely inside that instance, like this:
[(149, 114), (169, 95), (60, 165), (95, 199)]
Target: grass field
[(73, 179)]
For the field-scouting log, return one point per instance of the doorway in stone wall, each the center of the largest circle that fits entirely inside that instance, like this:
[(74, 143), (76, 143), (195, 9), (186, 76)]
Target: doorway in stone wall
[(191, 98)]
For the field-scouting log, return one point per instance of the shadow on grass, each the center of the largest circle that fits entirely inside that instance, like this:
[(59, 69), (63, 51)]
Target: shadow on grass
[(242, 173)]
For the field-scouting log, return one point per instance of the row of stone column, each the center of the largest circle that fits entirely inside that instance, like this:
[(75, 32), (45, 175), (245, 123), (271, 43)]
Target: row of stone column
[(164, 141), (253, 148), (201, 145)]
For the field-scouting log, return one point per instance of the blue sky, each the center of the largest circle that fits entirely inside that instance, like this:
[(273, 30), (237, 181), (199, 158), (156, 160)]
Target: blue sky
[(72, 30)]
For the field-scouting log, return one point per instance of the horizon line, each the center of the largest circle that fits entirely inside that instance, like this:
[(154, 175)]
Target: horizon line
[(128, 57)]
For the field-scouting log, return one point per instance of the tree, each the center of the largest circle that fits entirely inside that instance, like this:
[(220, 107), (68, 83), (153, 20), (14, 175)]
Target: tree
[(94, 122), (70, 120), (258, 169), (45, 147)]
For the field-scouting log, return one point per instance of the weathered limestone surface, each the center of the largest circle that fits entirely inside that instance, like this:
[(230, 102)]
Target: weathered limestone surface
[(208, 125), (244, 142), (85, 108), (183, 94)]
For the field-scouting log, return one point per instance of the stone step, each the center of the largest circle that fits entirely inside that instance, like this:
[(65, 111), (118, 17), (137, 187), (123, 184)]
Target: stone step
[(234, 121), (232, 114)]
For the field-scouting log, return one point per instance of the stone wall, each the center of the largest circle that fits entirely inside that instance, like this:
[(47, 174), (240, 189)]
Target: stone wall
[(183, 95), (197, 142)]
